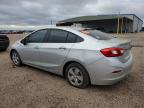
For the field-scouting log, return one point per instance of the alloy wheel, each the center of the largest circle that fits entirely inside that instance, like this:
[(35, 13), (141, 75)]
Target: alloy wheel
[(75, 76), (15, 58)]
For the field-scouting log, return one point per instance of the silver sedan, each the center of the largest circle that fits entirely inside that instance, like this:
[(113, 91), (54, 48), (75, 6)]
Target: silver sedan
[(82, 56)]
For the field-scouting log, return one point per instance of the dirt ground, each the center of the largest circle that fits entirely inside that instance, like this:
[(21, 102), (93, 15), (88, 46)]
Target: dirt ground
[(27, 87)]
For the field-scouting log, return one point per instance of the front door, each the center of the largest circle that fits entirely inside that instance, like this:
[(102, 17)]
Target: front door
[(30, 52)]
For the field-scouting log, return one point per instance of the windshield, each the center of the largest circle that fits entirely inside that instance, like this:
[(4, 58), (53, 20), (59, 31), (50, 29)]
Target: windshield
[(98, 34)]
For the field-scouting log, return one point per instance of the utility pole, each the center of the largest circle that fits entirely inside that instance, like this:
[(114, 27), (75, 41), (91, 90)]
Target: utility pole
[(122, 26), (126, 26), (51, 22), (118, 23)]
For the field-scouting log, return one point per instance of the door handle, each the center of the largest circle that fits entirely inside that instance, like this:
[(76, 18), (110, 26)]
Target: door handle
[(36, 47), (62, 48)]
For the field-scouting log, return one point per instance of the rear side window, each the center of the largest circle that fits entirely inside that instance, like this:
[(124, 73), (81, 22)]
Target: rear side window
[(72, 38), (79, 39), (57, 36)]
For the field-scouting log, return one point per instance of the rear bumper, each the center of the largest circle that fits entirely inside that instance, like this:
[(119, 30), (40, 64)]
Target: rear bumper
[(4, 45), (101, 73)]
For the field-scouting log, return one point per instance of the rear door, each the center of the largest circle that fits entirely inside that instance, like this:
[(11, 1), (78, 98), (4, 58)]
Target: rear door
[(30, 52), (54, 52)]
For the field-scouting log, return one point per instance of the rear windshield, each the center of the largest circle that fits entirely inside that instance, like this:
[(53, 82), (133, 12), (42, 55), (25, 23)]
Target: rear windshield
[(99, 35)]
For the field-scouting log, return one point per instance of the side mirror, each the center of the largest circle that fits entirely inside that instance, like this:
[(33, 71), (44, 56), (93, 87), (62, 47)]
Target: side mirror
[(24, 41)]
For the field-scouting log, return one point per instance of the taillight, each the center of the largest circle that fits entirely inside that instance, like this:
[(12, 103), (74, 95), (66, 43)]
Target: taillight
[(112, 52)]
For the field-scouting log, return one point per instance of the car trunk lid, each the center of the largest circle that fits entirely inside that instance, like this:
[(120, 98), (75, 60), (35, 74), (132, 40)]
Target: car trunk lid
[(122, 43)]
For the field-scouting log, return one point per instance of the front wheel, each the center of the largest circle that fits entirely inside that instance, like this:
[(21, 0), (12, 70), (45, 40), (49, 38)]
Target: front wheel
[(77, 76), (16, 58)]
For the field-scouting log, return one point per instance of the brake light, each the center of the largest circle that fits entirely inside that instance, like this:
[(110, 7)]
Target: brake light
[(112, 52)]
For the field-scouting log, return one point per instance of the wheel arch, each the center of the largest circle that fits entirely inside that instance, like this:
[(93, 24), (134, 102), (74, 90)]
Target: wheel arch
[(69, 62)]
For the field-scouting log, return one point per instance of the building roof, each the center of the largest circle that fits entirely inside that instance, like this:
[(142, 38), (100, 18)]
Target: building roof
[(98, 17)]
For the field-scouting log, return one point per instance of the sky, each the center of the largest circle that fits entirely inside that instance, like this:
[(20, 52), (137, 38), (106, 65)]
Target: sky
[(45, 12)]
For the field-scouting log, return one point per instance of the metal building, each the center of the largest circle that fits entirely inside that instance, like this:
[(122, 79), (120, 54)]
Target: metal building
[(121, 23)]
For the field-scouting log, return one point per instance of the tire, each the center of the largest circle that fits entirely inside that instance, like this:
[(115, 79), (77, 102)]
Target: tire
[(77, 75), (16, 58)]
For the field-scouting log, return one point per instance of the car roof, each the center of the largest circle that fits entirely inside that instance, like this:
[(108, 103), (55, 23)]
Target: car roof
[(64, 28)]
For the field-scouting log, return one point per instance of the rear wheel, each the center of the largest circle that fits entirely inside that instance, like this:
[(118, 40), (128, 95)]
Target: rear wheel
[(77, 76), (16, 58)]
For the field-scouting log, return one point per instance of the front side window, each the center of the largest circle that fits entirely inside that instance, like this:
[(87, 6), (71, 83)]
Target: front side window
[(57, 36), (37, 37)]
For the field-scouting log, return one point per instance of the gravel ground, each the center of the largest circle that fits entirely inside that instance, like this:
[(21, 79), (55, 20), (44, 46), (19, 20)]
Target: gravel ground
[(27, 87)]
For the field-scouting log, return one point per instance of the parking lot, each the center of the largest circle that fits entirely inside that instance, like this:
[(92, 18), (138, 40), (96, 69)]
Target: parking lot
[(27, 87)]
